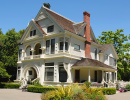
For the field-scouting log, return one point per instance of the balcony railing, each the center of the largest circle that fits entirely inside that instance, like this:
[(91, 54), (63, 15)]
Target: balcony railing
[(36, 56), (27, 58)]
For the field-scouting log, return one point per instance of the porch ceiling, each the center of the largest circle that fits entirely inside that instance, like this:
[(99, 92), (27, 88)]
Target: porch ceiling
[(92, 64)]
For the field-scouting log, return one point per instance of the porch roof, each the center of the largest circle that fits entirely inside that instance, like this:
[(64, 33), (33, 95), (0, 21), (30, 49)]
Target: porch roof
[(91, 63)]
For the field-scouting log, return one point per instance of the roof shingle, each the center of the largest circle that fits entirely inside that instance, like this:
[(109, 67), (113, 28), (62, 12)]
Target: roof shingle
[(87, 62)]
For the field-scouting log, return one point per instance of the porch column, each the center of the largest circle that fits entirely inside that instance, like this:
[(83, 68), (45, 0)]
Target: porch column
[(89, 77), (102, 76), (106, 76), (23, 55), (114, 77)]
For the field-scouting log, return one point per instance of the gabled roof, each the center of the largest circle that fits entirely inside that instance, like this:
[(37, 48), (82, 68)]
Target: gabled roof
[(79, 26), (87, 62), (105, 47), (28, 27), (64, 22)]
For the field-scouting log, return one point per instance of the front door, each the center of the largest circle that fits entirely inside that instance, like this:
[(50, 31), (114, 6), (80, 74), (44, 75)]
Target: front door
[(77, 76)]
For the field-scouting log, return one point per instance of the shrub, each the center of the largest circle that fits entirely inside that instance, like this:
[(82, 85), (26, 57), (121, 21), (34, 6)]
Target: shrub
[(9, 85), (39, 89), (94, 94), (88, 84), (73, 92), (36, 82), (128, 87), (108, 91)]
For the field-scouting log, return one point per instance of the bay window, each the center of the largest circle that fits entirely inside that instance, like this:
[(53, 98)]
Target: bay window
[(62, 74), (50, 46), (49, 71), (63, 43)]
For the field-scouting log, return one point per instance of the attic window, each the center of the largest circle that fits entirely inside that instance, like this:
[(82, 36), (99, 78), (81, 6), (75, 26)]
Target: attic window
[(50, 28), (32, 33)]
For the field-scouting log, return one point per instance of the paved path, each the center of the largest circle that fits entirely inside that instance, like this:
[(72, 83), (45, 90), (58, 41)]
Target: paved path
[(16, 94), (119, 96)]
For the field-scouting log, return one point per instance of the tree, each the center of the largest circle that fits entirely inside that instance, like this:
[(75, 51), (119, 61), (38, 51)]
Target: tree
[(122, 47), (47, 5)]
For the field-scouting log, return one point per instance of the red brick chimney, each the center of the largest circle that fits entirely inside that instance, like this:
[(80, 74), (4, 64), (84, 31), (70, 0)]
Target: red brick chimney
[(87, 35)]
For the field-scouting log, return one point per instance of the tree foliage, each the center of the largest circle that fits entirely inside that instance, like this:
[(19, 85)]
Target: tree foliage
[(122, 47), (9, 53)]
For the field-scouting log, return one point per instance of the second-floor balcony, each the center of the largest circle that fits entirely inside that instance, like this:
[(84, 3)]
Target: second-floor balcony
[(32, 57)]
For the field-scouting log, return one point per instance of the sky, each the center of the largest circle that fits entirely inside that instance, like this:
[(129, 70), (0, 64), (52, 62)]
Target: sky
[(105, 15)]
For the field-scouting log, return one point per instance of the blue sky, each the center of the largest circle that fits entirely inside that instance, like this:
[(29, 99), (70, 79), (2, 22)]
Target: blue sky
[(105, 14)]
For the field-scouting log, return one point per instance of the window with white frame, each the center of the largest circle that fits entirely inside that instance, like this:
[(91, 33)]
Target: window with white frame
[(32, 33), (20, 54), (30, 72), (62, 73), (18, 72), (49, 71), (105, 57), (77, 47), (50, 28), (62, 42), (50, 46), (112, 61)]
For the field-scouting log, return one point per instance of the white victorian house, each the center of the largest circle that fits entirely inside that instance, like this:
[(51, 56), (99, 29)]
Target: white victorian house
[(56, 49)]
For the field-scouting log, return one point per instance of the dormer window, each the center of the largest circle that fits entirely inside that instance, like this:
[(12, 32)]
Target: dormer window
[(50, 29)]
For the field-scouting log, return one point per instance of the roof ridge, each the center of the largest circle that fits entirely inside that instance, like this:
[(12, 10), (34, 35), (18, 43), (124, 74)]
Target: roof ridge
[(58, 14)]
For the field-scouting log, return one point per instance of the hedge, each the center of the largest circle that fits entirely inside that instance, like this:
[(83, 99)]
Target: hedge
[(39, 89), (9, 85), (108, 91), (128, 87)]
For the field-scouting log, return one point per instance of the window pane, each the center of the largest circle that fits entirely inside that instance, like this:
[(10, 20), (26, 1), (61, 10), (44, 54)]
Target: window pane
[(18, 74), (30, 33), (95, 54), (47, 46), (20, 54), (66, 46), (112, 61), (76, 47), (34, 32), (50, 29), (49, 64), (30, 72), (61, 45), (49, 74), (52, 46), (62, 74)]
